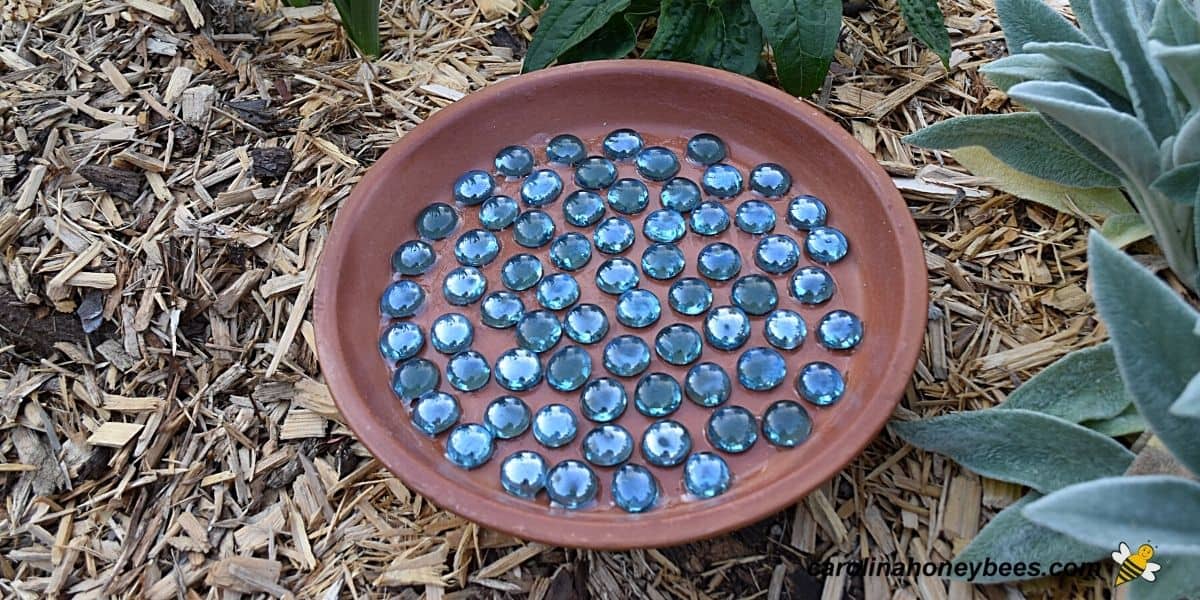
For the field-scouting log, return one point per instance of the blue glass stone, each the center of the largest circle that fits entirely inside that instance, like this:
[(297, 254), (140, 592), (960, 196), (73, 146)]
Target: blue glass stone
[(613, 235), (755, 294), (786, 424), (617, 275), (498, 212), (566, 149), (558, 291), (464, 285), (722, 181), (571, 251), (679, 344), (680, 195), (554, 426), (707, 384), (664, 225), (521, 272), (820, 383), (413, 258), (607, 445), (507, 417), (469, 446), (777, 253), (476, 248), (826, 245), (401, 299), (586, 324), (666, 443), (690, 296), (732, 429), (727, 328), (638, 308), (706, 475), (626, 356), (595, 173), (603, 400), (657, 163), (761, 369), (572, 484), (501, 310), (770, 180), (523, 474), (622, 144), (657, 395), (663, 261), (583, 208), (451, 333), (468, 371), (473, 187), (628, 196), (415, 377), (533, 229), (634, 488), (401, 341), (710, 218), (514, 161), (518, 370), (812, 285), (538, 330), (568, 369), (840, 330), (806, 212), (435, 412), (541, 188), (436, 221), (785, 329), (755, 217), (705, 149)]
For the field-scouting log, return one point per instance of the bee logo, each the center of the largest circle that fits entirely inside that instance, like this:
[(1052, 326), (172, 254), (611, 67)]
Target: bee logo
[(1134, 565)]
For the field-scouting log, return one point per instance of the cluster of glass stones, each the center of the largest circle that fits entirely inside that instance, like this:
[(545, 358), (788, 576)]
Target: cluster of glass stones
[(547, 310)]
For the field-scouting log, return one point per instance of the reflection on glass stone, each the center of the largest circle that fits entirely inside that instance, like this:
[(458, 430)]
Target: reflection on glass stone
[(657, 163), (603, 400), (514, 161), (755, 216), (690, 296), (707, 384), (820, 383), (613, 235), (498, 212), (401, 341), (777, 253), (533, 229), (539, 330), (572, 484), (464, 285), (664, 225), (436, 221), (568, 369), (401, 299), (722, 181), (666, 443), (507, 417), (473, 187), (583, 208), (469, 445), (657, 395), (595, 173), (468, 371), (617, 275), (638, 308), (634, 488), (840, 330), (706, 475), (785, 329), (806, 212), (451, 333), (521, 272), (413, 258), (628, 196), (622, 144), (761, 369), (586, 324), (705, 149), (770, 180), (570, 251), (558, 291), (541, 187), (566, 149), (732, 429), (786, 423), (719, 262), (501, 310), (518, 370), (415, 377), (709, 218), (680, 195), (554, 426), (727, 327), (476, 248), (523, 474), (812, 285), (662, 261), (826, 245), (607, 445), (435, 412), (679, 344), (626, 356), (755, 294)]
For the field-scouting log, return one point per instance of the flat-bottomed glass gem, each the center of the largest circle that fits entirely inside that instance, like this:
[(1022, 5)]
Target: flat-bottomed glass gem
[(812, 285), (786, 424), (628, 196), (401, 341), (707, 384), (679, 194), (664, 225), (401, 299), (586, 324), (541, 187), (603, 400), (572, 484), (622, 144), (826, 245), (583, 208), (761, 369), (666, 443), (727, 327), (840, 330), (558, 291), (657, 163), (770, 180), (705, 149), (679, 344), (476, 248), (514, 161), (468, 371), (464, 286), (435, 412), (706, 475), (436, 221), (638, 308), (613, 235), (518, 370), (451, 333), (501, 310), (473, 187), (820, 383), (469, 445), (806, 212), (690, 296), (719, 262), (498, 212), (722, 181), (755, 294), (566, 149), (507, 417), (777, 253), (607, 445), (413, 258), (732, 429), (571, 251), (415, 377), (626, 356), (568, 369), (554, 426), (521, 272), (533, 229), (634, 488), (657, 395), (539, 330), (663, 261), (785, 329), (617, 275), (595, 173), (709, 218), (755, 217), (523, 474)]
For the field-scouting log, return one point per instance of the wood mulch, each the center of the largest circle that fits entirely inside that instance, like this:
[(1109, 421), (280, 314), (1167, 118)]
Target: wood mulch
[(168, 171)]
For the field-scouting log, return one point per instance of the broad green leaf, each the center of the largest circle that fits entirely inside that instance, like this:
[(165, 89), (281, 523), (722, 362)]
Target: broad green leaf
[(1011, 538), (361, 20), (723, 35), (616, 39), (1145, 80), (803, 35), (1188, 403), (1094, 63), (1123, 230), (1085, 148), (1162, 510), (1082, 386), (1180, 184), (926, 21), (297, 3), (1023, 141), (1092, 201), (1125, 423), (1025, 21), (1187, 141), (1183, 65), (1174, 24), (1019, 446), (1157, 349), (1083, 14), (565, 24), (1011, 70), (1178, 578)]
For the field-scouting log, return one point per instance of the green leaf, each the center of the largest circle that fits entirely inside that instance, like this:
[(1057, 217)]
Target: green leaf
[(1011, 70), (1180, 184), (1019, 446), (723, 34), (1125, 423), (1188, 403), (1123, 230), (1082, 386), (298, 3), (1178, 578), (361, 20), (926, 21), (803, 35), (565, 24), (1023, 141), (1183, 65), (1145, 80), (1083, 14), (1157, 349), (616, 39), (1161, 510), (1025, 21), (1187, 141), (1085, 148), (1174, 24), (1095, 64)]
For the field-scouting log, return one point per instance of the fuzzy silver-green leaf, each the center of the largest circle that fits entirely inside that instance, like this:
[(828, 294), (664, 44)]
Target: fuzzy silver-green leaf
[(1183, 65), (1025, 21), (1091, 62), (1129, 421), (1082, 386), (1146, 81)]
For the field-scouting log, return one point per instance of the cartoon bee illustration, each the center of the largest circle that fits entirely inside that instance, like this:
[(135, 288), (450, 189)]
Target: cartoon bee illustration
[(1134, 565)]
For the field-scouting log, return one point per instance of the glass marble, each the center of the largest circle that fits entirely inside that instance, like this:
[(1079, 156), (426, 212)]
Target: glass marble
[(719, 262), (614, 235), (413, 258), (558, 291), (595, 173), (514, 161), (840, 330), (469, 446), (626, 356), (755, 217), (468, 371), (805, 212), (826, 245), (451, 333), (607, 445), (638, 308), (732, 429), (770, 180), (727, 327), (628, 196), (435, 412), (666, 443), (680, 195), (785, 329), (761, 369), (663, 261), (722, 180), (679, 344), (538, 330), (436, 221), (617, 275), (705, 149), (820, 383), (709, 218), (572, 484), (476, 248), (401, 341), (634, 488), (554, 426), (566, 149), (777, 253), (464, 285), (473, 187), (657, 395), (501, 310), (785, 423), (603, 400), (754, 294), (415, 377), (586, 324), (690, 296), (498, 212), (401, 299), (622, 144), (657, 163), (568, 369), (507, 417), (583, 208), (707, 384), (706, 475), (541, 187), (518, 370), (812, 285), (521, 272), (664, 225), (570, 251), (533, 229), (523, 474)]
